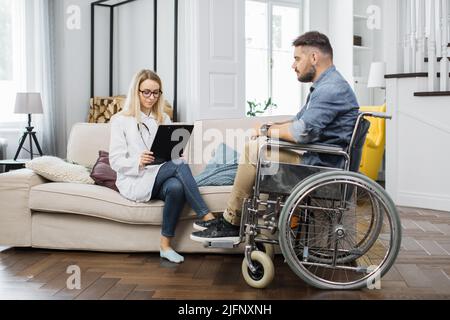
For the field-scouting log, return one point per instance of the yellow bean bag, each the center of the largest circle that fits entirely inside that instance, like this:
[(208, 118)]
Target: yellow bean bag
[(373, 150)]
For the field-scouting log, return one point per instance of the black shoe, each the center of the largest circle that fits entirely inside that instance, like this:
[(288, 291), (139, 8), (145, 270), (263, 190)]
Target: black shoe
[(203, 225), (221, 231)]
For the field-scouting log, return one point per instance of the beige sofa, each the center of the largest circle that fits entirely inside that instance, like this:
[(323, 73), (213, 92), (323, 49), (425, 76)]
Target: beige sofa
[(37, 213)]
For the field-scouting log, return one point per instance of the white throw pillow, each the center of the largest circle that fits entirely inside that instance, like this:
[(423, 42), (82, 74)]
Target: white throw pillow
[(58, 170)]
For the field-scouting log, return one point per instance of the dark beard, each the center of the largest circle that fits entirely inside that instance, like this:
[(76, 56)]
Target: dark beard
[(309, 76)]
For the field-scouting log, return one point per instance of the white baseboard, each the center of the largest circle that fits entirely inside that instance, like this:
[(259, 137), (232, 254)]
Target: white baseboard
[(423, 200)]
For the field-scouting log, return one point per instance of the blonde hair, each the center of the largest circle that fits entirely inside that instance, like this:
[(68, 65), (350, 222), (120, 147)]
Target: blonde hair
[(132, 106)]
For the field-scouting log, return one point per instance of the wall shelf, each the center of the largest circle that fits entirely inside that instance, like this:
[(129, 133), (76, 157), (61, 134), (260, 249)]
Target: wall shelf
[(359, 17), (365, 51), (362, 48), (432, 94)]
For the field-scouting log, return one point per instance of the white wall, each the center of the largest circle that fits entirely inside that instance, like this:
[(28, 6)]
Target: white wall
[(73, 70), (316, 15), (340, 33), (166, 38), (315, 18), (208, 70), (72, 53), (417, 146), (134, 41)]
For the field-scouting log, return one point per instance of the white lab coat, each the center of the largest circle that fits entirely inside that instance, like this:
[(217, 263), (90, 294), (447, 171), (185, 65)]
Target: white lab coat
[(125, 149)]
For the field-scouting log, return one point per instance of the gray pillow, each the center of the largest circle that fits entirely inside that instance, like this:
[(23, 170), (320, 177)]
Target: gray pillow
[(221, 169)]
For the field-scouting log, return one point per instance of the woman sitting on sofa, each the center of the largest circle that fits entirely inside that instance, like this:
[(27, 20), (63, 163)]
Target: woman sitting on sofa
[(132, 133)]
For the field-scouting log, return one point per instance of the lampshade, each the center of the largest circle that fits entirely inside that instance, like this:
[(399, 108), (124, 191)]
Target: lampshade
[(28, 103), (376, 75)]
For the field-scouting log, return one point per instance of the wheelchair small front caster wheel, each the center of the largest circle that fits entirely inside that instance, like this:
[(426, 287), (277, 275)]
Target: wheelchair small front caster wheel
[(264, 273), (268, 248)]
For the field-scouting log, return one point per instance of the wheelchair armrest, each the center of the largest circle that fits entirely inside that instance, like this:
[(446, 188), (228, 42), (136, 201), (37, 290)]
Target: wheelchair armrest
[(377, 115), (320, 148)]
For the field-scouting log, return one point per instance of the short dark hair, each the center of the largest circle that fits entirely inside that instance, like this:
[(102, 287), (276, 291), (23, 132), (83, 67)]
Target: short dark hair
[(315, 39)]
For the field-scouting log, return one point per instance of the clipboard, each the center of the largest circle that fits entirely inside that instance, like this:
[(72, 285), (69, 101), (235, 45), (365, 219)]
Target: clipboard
[(170, 141)]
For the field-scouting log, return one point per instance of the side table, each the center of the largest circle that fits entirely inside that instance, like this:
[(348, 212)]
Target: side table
[(12, 164)]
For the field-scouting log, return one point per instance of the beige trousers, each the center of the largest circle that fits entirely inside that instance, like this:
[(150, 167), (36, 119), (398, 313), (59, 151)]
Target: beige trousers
[(246, 175)]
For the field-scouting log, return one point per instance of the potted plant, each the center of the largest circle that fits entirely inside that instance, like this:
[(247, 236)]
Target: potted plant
[(255, 108)]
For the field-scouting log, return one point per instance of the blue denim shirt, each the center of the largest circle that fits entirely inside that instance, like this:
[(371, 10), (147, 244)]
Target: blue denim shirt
[(328, 117)]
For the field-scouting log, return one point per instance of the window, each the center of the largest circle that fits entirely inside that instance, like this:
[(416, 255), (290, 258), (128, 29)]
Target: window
[(269, 55), (11, 56)]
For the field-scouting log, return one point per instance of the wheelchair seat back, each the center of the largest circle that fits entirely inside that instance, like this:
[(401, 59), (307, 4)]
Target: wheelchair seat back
[(355, 148)]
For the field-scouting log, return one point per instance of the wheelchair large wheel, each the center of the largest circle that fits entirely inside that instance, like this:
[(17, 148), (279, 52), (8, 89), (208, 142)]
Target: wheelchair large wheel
[(317, 226), (339, 230)]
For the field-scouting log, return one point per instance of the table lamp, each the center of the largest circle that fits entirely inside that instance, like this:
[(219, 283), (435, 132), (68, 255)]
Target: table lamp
[(28, 103), (376, 75)]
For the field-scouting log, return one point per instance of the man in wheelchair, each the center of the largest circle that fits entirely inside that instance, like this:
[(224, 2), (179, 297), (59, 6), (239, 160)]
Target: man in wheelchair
[(328, 117)]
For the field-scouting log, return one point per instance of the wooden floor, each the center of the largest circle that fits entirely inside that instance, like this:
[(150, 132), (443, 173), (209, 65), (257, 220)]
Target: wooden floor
[(422, 271)]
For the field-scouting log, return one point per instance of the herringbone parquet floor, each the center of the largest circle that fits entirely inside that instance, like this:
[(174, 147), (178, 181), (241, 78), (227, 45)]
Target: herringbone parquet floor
[(422, 271)]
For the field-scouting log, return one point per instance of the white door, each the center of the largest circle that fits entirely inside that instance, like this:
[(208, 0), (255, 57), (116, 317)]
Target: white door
[(213, 59)]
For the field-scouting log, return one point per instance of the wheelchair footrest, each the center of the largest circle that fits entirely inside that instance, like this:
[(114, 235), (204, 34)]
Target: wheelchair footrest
[(221, 244)]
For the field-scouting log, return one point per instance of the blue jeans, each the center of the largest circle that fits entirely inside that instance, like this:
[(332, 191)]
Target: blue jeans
[(174, 185)]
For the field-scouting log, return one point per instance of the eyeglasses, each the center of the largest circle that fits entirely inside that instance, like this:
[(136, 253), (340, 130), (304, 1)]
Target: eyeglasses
[(149, 93)]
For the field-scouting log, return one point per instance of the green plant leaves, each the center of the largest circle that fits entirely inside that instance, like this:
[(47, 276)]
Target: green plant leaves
[(256, 108)]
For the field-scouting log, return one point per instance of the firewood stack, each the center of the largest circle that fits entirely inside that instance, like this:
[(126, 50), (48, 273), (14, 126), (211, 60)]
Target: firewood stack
[(103, 108)]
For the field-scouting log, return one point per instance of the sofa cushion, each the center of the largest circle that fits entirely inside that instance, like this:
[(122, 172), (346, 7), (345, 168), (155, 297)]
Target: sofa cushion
[(221, 169), (86, 140), (58, 170), (102, 173), (209, 134), (97, 201)]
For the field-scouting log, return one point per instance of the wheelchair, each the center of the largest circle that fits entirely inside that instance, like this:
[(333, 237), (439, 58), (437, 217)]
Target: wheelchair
[(336, 228)]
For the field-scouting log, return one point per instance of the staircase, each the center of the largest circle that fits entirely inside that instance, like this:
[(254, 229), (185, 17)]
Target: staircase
[(418, 98), (424, 43)]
